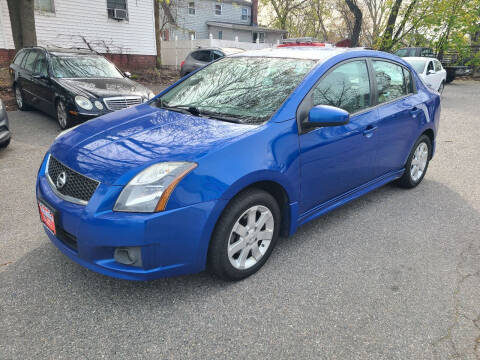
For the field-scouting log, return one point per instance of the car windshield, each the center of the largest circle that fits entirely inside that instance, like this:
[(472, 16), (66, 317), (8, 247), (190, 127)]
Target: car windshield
[(83, 67), (418, 64), (238, 89)]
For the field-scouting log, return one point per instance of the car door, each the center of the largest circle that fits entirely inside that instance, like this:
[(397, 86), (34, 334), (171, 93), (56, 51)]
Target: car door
[(42, 89), (26, 76), (430, 76), (440, 74), (337, 159), (399, 112)]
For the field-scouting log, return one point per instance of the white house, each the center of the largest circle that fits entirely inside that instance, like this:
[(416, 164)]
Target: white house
[(123, 28), (223, 20)]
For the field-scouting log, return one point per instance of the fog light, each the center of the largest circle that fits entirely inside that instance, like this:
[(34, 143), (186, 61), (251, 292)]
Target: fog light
[(128, 256)]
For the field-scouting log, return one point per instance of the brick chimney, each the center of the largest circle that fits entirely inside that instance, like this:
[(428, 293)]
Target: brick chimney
[(255, 12)]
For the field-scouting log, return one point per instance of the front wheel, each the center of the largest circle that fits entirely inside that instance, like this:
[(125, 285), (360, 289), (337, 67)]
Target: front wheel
[(417, 163), (63, 118), (441, 87), (245, 235)]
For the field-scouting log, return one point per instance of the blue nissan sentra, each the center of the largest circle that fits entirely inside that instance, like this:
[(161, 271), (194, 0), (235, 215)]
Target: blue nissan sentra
[(209, 173)]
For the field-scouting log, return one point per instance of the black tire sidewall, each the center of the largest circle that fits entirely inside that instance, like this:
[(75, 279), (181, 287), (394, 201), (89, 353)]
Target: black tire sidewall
[(218, 261)]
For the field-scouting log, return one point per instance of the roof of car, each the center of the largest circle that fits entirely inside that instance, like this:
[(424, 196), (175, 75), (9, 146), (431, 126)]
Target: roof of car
[(301, 52), (65, 51)]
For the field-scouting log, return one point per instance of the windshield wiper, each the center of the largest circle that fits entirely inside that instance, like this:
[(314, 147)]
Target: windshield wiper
[(184, 109)]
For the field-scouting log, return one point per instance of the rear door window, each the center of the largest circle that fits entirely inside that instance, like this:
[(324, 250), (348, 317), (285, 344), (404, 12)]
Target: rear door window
[(40, 66), (202, 55), (30, 60), (390, 81), (346, 87)]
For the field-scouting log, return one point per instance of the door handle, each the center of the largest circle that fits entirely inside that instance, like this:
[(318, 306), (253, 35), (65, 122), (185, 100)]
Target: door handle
[(369, 130)]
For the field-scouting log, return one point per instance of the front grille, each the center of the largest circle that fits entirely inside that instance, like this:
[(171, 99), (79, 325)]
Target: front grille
[(78, 188), (119, 103)]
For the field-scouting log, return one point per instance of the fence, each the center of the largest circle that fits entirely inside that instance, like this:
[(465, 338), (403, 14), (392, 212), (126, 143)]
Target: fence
[(175, 51)]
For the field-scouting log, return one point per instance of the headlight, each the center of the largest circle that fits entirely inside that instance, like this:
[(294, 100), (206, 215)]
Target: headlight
[(98, 105), (83, 102), (149, 190), (151, 95)]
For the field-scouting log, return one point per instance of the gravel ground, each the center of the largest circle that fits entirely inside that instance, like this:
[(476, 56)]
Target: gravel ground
[(393, 275)]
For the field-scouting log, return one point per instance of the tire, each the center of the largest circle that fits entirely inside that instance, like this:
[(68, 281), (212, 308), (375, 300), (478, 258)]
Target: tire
[(63, 118), (5, 144), (20, 99), (441, 87), (419, 158), (230, 255)]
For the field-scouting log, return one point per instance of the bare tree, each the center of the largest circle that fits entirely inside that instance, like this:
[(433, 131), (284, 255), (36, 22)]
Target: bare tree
[(22, 20), (162, 19), (284, 10), (357, 26)]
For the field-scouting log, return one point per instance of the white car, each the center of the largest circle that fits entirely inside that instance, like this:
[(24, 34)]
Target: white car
[(430, 71)]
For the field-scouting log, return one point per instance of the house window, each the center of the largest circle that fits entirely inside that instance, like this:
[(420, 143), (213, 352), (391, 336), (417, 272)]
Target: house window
[(260, 36), (220, 35), (218, 9), (192, 35), (117, 9), (191, 8), (244, 13), (45, 5)]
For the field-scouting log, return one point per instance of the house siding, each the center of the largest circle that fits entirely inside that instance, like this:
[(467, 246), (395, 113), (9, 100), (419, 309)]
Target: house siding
[(205, 11), (74, 21)]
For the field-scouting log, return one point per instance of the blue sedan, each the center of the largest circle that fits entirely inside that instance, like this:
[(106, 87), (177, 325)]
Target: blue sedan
[(209, 173)]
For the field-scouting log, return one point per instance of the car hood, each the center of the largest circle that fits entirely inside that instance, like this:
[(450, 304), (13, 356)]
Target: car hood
[(114, 147), (105, 87)]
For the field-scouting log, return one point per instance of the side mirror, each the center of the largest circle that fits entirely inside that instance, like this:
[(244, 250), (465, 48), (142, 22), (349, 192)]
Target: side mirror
[(127, 74), (325, 115), (430, 72)]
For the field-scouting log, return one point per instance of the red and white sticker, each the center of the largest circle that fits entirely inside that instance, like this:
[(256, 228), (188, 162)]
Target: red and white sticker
[(47, 217)]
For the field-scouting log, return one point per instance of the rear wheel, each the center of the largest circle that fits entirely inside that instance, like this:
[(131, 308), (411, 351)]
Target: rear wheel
[(245, 235), (20, 99), (417, 163)]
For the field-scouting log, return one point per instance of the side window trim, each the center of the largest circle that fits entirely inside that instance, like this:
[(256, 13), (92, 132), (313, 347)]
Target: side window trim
[(307, 100)]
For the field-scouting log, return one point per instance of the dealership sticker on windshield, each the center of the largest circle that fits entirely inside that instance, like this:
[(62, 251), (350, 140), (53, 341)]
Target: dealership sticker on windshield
[(47, 217)]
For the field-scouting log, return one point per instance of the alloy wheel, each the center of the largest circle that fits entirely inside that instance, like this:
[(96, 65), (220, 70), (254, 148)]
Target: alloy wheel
[(250, 237), (419, 161), (18, 97), (62, 114)]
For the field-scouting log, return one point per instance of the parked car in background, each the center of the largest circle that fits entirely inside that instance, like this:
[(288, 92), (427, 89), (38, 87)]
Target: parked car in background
[(450, 61), (72, 85), (209, 176), (201, 57), (430, 71), (4, 126)]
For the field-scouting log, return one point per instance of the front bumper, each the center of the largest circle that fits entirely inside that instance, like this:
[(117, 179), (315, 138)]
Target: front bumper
[(173, 242)]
